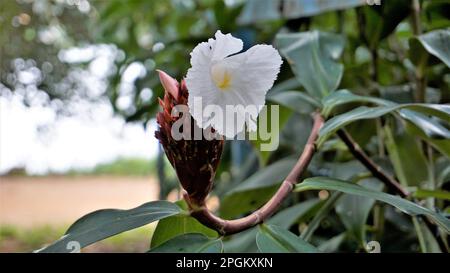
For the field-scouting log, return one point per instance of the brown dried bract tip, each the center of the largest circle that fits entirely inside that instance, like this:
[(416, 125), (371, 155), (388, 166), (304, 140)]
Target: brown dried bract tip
[(195, 161)]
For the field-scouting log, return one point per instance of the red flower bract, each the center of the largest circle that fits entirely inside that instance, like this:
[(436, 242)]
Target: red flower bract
[(195, 161)]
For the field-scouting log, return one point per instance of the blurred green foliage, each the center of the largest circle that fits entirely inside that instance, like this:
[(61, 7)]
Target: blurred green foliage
[(118, 167), (122, 167)]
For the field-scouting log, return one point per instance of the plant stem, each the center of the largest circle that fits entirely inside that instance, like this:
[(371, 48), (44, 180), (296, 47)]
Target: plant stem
[(374, 72), (416, 23), (376, 170), (431, 173), (380, 138), (421, 80), (225, 227), (378, 221), (420, 235)]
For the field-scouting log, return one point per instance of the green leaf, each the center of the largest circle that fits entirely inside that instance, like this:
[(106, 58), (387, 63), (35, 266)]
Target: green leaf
[(437, 43), (345, 96), (354, 210), (264, 10), (173, 226), (255, 190), (411, 172), (442, 170), (245, 241), (332, 245), (429, 126), (351, 170), (312, 56), (291, 215), (427, 241), (408, 207), (273, 239), (283, 86), (102, 224), (190, 243), (339, 121), (340, 97), (442, 145), (364, 112), (296, 101)]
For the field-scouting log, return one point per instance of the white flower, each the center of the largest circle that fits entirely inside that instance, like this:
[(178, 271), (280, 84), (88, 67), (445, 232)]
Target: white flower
[(219, 78)]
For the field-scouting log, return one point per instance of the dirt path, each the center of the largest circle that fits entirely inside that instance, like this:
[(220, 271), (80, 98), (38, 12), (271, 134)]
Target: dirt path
[(28, 201)]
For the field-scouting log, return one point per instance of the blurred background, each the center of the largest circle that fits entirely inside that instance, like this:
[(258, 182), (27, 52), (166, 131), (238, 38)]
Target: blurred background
[(78, 94)]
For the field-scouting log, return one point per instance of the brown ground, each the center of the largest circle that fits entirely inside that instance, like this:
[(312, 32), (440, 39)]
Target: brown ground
[(31, 201)]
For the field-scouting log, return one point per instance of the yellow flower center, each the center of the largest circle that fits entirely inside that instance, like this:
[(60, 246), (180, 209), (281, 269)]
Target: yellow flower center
[(221, 76)]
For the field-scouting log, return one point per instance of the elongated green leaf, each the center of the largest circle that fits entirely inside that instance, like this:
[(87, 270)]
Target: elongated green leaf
[(350, 170), (102, 224), (345, 96), (411, 172), (291, 215), (190, 243), (245, 241), (430, 126), (175, 225), (408, 207), (312, 56), (354, 210), (333, 244), (363, 112), (286, 85), (255, 190), (437, 43), (296, 101), (273, 239), (442, 170), (427, 241), (442, 145), (264, 10), (441, 111)]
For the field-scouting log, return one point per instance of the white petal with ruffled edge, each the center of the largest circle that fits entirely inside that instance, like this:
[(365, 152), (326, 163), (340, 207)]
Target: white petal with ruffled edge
[(220, 79)]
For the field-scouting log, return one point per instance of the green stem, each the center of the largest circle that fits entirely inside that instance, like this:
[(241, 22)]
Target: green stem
[(416, 22), (431, 173), (421, 80), (378, 219), (380, 138), (420, 235)]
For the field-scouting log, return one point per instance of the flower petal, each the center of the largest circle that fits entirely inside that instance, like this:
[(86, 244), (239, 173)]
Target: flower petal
[(225, 45), (256, 69), (254, 73)]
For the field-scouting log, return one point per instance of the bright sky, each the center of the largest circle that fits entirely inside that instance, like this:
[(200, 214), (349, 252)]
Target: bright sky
[(40, 141), (69, 142)]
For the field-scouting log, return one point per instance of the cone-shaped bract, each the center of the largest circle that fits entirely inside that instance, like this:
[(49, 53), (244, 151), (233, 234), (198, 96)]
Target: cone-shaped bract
[(195, 161)]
